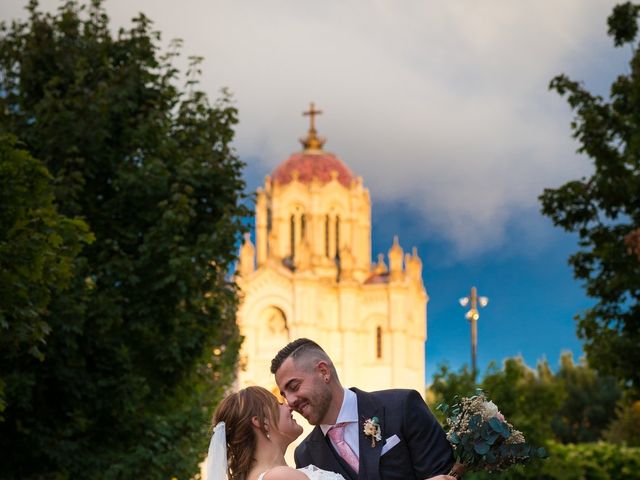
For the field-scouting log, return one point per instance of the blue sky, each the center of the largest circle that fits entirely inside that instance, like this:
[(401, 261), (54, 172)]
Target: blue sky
[(443, 108)]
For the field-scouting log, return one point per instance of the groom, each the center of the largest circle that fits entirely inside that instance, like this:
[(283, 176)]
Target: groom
[(410, 443)]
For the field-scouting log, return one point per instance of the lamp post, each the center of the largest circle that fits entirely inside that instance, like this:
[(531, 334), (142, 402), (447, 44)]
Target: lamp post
[(473, 315)]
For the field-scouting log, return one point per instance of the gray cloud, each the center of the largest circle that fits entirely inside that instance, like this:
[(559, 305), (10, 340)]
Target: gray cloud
[(441, 104)]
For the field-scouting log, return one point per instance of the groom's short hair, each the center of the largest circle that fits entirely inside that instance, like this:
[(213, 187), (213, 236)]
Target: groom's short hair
[(302, 347)]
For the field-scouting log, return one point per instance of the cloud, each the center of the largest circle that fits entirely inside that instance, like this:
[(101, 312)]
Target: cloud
[(442, 105)]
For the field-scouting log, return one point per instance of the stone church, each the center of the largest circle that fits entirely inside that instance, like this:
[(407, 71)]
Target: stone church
[(310, 274)]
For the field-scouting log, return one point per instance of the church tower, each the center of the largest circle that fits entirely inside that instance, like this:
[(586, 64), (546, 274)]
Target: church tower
[(309, 274)]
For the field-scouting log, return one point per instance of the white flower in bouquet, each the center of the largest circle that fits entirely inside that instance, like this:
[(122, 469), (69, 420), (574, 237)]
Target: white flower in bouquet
[(490, 410)]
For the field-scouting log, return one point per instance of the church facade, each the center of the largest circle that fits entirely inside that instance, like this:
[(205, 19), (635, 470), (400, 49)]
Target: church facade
[(309, 274)]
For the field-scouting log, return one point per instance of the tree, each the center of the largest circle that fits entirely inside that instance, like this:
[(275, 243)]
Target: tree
[(143, 342), (625, 428), (589, 405), (604, 210), (37, 249)]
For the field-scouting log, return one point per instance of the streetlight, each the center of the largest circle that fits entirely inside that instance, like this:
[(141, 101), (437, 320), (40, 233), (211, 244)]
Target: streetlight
[(473, 315)]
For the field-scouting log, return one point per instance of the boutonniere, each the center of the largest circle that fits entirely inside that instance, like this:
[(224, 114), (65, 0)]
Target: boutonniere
[(372, 429)]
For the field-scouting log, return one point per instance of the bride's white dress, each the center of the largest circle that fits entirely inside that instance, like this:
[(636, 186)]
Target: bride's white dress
[(314, 473)]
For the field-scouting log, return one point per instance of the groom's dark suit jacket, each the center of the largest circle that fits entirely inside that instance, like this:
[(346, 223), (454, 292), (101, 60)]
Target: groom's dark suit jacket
[(423, 450)]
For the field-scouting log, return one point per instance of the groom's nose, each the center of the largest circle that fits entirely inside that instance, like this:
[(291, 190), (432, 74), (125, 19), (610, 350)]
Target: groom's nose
[(291, 401)]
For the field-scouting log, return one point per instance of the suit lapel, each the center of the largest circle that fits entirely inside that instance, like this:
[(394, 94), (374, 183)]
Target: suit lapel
[(369, 456)]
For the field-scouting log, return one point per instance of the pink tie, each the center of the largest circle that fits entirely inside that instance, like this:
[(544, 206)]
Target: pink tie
[(336, 434)]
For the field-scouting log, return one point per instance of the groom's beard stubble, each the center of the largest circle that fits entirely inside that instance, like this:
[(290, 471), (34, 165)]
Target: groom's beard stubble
[(317, 407)]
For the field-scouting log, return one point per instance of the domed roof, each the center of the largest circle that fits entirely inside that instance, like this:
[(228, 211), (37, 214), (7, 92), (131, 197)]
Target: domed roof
[(312, 162), (308, 166)]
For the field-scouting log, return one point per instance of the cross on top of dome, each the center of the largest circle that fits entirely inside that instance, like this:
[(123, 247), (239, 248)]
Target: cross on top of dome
[(312, 142)]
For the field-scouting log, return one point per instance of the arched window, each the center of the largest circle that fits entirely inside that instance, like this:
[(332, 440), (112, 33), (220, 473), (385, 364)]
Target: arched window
[(269, 226), (326, 236), (275, 321), (338, 236), (292, 240), (378, 342), (303, 226)]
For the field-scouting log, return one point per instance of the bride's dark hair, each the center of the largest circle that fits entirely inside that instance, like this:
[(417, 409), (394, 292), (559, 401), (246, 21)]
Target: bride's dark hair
[(237, 411)]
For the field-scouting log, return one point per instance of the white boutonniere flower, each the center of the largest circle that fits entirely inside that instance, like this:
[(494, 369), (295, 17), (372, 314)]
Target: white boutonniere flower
[(372, 429)]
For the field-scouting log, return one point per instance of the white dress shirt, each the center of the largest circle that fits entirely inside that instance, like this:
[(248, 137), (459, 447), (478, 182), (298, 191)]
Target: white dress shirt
[(349, 415)]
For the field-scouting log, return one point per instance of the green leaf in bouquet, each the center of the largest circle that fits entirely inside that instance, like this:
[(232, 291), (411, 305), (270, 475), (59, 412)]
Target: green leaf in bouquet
[(485, 430), (499, 427), (481, 448), (468, 458), (541, 453), (454, 438), (522, 450), (506, 450), (443, 407), (495, 424), (475, 421), (491, 439)]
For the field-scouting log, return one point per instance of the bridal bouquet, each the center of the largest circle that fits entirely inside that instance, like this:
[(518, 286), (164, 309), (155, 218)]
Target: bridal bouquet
[(482, 439)]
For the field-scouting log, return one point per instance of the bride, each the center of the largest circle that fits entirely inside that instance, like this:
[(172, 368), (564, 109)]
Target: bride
[(251, 436)]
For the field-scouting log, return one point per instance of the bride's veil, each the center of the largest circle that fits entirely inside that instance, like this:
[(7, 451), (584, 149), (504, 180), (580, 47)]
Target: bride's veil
[(217, 457)]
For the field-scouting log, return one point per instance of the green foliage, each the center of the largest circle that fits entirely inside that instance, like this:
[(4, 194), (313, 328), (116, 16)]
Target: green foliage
[(622, 23), (574, 405), (604, 209), (589, 404), (625, 428), (593, 461), (128, 378), (37, 249)]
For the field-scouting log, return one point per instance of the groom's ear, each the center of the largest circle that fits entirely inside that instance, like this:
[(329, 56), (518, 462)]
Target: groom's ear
[(323, 369)]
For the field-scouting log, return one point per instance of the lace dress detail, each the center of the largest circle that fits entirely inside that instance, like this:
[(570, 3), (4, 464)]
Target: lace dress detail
[(314, 473)]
